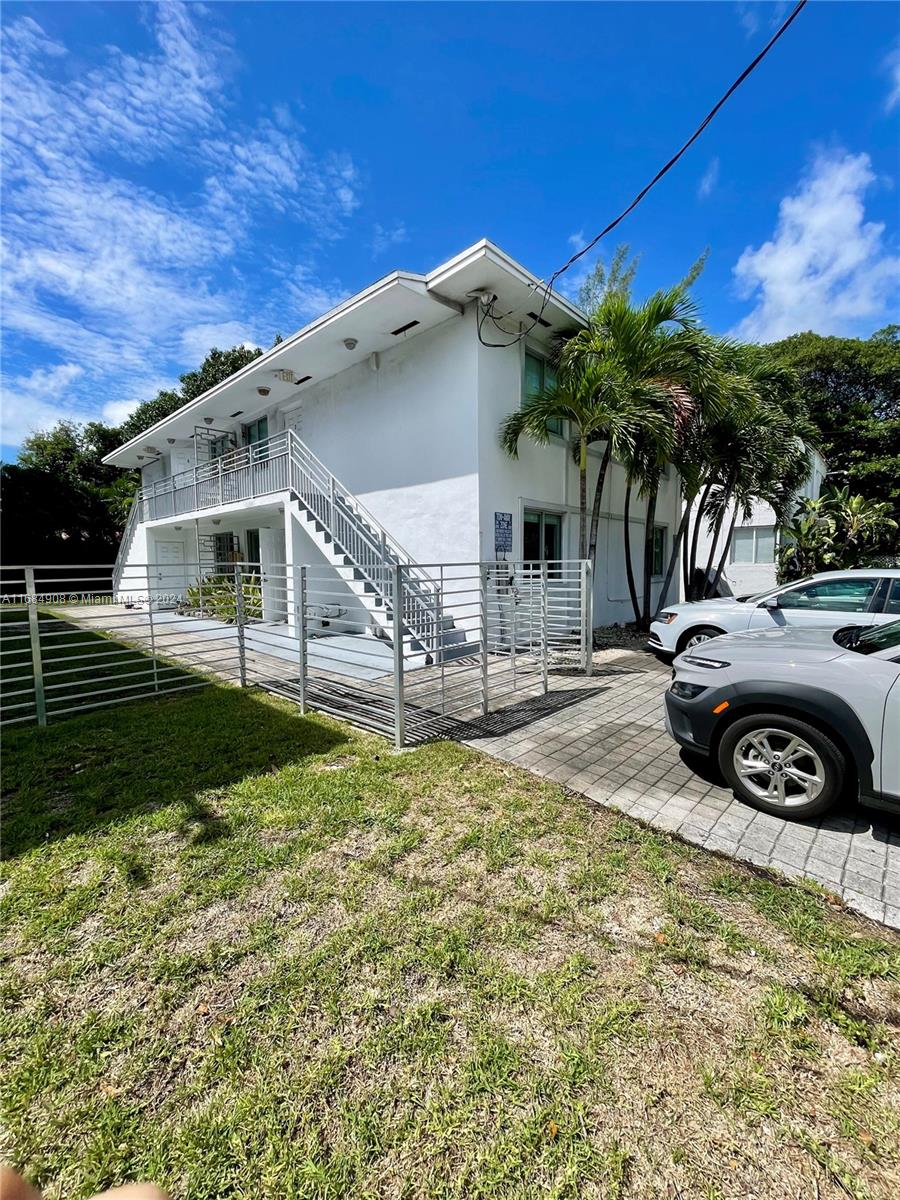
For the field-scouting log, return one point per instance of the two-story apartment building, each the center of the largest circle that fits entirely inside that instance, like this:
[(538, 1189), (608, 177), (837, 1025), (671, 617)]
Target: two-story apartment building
[(375, 429)]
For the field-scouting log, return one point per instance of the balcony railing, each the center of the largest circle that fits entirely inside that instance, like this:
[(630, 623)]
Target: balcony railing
[(283, 463)]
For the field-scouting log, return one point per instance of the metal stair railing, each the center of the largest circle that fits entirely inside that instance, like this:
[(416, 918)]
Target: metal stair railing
[(284, 463), (371, 549), (125, 543)]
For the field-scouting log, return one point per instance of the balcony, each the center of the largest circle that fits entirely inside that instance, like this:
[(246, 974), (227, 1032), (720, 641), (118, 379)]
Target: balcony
[(242, 474)]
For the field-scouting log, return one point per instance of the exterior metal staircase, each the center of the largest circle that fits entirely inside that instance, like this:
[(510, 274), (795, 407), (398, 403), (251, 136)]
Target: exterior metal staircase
[(345, 532)]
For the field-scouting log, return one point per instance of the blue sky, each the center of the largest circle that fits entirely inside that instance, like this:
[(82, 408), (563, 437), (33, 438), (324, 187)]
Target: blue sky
[(181, 176)]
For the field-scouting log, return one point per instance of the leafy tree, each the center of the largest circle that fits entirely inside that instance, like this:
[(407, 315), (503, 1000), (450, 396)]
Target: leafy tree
[(836, 531), (615, 280), (61, 503), (216, 367), (852, 390)]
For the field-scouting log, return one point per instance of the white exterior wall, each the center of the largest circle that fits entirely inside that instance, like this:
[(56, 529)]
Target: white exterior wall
[(402, 439), (546, 478), (745, 578)]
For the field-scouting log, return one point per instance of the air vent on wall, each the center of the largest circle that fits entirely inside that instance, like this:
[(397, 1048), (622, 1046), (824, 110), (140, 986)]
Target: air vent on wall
[(403, 328), (303, 379), (237, 414), (540, 320)]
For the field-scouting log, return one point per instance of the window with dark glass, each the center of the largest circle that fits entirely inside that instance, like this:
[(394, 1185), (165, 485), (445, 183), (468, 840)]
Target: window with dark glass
[(539, 375), (542, 536)]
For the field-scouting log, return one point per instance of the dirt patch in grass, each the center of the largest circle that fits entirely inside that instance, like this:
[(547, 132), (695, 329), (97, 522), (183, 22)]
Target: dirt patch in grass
[(423, 975)]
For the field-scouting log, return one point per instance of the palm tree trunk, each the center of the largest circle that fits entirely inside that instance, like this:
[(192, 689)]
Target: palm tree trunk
[(691, 562), (680, 537), (721, 567), (629, 570), (647, 597), (595, 510), (582, 500), (717, 529)]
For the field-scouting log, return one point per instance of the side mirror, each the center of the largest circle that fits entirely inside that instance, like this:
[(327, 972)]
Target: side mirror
[(770, 602)]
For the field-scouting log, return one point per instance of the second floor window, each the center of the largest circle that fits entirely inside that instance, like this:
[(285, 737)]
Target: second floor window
[(256, 431), (539, 374)]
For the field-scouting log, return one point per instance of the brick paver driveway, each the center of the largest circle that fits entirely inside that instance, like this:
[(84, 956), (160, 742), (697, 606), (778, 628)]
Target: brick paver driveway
[(603, 736)]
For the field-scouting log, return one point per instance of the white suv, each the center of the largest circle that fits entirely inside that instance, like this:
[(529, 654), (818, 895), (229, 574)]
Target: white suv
[(827, 600), (793, 716)]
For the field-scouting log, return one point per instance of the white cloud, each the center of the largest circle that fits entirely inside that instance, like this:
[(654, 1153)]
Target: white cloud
[(38, 400), (892, 67), (752, 14), (115, 411), (710, 178), (198, 340), (576, 240), (825, 268), (383, 237), (748, 15), (107, 267)]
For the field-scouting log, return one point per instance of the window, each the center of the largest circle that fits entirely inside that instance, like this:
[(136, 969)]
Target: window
[(252, 537), (888, 599), (256, 431), (220, 445), (226, 551), (542, 537), (833, 595), (660, 537), (539, 374), (753, 544)]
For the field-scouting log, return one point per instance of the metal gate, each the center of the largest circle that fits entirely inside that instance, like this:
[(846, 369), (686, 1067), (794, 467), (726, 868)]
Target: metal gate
[(411, 655)]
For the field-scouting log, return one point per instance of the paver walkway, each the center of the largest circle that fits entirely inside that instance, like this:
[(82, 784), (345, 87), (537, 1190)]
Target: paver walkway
[(610, 744)]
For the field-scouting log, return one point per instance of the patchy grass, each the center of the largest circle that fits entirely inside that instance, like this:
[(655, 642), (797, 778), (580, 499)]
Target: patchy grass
[(252, 953)]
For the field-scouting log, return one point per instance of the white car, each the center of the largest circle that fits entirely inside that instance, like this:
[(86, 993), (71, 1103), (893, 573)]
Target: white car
[(794, 717), (827, 600)]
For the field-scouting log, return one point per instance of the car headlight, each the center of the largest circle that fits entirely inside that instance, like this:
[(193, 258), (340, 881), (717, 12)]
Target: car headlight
[(687, 691), (711, 664), (666, 618)]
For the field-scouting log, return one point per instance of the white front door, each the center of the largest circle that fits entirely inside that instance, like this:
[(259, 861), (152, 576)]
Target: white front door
[(171, 579), (273, 573)]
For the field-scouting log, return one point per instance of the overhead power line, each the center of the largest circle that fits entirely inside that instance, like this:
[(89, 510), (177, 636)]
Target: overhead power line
[(489, 314)]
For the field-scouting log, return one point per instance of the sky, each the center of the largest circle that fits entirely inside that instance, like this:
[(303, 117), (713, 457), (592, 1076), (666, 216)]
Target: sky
[(178, 176)]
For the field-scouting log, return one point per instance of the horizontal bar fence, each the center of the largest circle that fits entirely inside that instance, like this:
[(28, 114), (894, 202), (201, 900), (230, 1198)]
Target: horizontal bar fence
[(318, 635)]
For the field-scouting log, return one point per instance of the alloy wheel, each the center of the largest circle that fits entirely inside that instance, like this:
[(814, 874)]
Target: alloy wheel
[(779, 767)]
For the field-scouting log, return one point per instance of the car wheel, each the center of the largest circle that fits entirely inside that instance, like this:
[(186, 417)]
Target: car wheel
[(782, 765), (698, 635)]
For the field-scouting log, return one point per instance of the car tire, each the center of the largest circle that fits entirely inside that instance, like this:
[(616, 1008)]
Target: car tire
[(799, 753), (691, 638)]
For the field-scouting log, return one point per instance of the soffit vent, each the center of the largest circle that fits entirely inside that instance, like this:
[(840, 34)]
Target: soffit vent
[(540, 320), (404, 328), (303, 379)]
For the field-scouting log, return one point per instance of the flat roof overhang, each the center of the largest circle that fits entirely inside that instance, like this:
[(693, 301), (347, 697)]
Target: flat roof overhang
[(395, 309)]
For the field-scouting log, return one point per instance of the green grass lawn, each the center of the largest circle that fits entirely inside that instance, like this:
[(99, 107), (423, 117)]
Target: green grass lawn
[(253, 954), (81, 666)]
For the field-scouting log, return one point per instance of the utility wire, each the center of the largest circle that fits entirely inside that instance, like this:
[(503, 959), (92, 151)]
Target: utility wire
[(489, 314)]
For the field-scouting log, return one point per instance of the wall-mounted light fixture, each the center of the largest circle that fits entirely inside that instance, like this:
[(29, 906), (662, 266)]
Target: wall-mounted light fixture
[(350, 343), (207, 420), (263, 391), (171, 441)]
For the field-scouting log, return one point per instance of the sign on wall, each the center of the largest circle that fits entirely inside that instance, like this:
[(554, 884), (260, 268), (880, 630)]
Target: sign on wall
[(503, 533)]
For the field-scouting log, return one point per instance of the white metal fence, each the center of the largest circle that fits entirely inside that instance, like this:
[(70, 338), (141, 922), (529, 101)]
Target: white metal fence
[(319, 635)]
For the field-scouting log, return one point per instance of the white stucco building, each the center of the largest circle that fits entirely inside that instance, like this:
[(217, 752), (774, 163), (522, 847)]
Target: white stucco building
[(750, 563), (391, 404)]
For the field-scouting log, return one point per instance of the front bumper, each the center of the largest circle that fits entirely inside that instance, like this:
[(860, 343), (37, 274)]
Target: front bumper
[(692, 723), (661, 638)]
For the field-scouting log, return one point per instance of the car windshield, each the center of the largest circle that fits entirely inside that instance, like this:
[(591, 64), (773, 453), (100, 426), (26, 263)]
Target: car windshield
[(760, 596), (869, 640)]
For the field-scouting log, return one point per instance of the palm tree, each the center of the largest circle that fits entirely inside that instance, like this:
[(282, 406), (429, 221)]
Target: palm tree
[(669, 369), (593, 398)]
